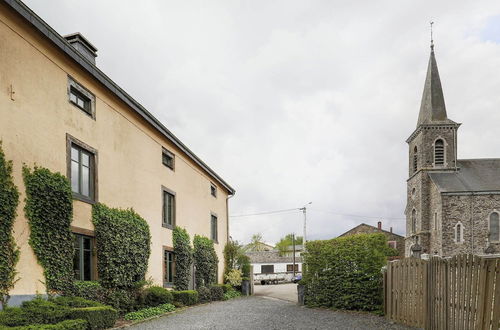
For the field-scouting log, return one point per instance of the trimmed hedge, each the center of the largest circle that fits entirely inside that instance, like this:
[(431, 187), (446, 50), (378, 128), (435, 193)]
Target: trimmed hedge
[(75, 302), (205, 261), (216, 292), (186, 297), (98, 318), (9, 252), (204, 295), (124, 246), (149, 312), (231, 294), (345, 272), (183, 258), (49, 209), (156, 295), (90, 290), (37, 311), (64, 325)]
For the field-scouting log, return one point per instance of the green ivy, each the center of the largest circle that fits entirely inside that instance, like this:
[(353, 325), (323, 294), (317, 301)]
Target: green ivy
[(205, 261), (123, 246), (49, 209), (345, 272), (9, 253), (183, 258)]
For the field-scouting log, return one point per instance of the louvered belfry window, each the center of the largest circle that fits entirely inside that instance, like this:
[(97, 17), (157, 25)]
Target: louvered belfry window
[(439, 153), (415, 160)]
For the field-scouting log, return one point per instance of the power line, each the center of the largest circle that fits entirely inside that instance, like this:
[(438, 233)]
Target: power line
[(312, 209), (263, 213)]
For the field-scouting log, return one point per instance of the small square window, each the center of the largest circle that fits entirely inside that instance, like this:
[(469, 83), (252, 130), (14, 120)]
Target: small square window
[(168, 159), (213, 190), (81, 97)]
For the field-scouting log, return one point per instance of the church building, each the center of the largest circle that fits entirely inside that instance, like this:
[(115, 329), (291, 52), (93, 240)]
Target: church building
[(453, 205)]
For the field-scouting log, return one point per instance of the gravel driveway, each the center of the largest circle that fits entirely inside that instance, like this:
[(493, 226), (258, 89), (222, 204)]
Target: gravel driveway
[(263, 313)]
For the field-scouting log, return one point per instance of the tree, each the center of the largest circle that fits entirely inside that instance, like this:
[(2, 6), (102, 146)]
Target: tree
[(205, 261), (256, 243), (287, 241), (231, 252), (183, 258)]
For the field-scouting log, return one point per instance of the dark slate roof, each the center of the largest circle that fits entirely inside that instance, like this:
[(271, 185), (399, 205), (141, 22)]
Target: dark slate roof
[(270, 257), (473, 175), (432, 107), (370, 230), (59, 42)]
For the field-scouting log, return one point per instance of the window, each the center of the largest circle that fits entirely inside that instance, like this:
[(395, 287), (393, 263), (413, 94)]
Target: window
[(213, 190), (168, 159), (168, 209), (415, 160), (267, 269), (82, 171), (494, 227), (459, 233), (82, 260), (392, 244), (81, 97), (439, 152), (414, 221), (213, 228), (289, 268), (169, 267)]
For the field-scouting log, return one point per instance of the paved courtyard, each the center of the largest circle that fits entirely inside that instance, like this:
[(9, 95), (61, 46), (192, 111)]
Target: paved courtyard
[(286, 291), (259, 312)]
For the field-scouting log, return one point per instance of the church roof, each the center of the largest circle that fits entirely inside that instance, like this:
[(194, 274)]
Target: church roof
[(432, 107), (473, 175)]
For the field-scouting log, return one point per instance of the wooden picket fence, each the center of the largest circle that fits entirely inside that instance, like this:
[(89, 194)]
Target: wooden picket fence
[(462, 292)]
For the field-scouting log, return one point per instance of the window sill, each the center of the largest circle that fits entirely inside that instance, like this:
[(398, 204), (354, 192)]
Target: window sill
[(84, 199), (90, 114), (168, 285), (171, 227)]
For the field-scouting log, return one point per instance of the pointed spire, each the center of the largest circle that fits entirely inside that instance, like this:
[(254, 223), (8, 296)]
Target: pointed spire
[(432, 108)]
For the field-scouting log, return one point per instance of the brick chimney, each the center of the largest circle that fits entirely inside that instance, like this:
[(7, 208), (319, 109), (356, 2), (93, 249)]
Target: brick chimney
[(82, 45), (379, 225)]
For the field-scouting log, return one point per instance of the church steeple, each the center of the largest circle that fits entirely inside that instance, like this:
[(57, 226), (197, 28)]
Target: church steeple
[(432, 107)]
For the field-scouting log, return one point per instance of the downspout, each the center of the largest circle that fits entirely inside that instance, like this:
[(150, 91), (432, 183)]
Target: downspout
[(227, 215)]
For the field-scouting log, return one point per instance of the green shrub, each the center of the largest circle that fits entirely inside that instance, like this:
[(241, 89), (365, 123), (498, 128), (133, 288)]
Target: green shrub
[(204, 295), (122, 300), (186, 297), (231, 294), (36, 311), (345, 272), (156, 295), (124, 246), (149, 312), (233, 277), (102, 317), (9, 252), (183, 258), (91, 290), (217, 292), (75, 302), (64, 325), (205, 261), (49, 209)]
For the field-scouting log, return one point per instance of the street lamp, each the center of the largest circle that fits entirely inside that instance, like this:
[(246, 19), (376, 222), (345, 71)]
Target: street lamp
[(304, 210)]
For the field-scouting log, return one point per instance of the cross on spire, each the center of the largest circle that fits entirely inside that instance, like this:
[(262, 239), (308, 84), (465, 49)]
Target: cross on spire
[(432, 40)]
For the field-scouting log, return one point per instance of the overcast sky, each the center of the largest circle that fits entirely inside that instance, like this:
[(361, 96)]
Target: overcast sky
[(298, 101)]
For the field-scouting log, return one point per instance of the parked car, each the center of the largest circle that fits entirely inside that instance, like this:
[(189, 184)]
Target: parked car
[(297, 278)]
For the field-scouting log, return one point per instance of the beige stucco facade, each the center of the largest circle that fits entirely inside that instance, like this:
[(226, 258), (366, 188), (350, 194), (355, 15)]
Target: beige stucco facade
[(35, 119)]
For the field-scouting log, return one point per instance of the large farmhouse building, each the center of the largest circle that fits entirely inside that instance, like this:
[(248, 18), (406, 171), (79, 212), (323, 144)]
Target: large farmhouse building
[(453, 205), (60, 111)]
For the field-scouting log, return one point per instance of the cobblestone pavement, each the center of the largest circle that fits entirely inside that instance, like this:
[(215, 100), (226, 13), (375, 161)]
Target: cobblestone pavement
[(263, 313)]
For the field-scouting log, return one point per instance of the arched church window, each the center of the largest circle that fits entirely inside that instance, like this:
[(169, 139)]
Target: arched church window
[(494, 227), (459, 233), (415, 159), (439, 152), (414, 221)]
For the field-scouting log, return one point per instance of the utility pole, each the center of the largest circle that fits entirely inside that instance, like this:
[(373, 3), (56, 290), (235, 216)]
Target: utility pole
[(293, 242), (304, 210)]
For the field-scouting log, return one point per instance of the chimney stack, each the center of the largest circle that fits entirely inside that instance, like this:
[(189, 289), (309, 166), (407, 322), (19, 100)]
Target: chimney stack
[(82, 45), (391, 229), (379, 225)]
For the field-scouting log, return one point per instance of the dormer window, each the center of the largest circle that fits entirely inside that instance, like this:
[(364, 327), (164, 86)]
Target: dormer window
[(439, 152)]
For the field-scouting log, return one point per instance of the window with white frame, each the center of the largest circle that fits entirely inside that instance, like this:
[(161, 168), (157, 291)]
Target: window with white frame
[(494, 227), (459, 232)]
